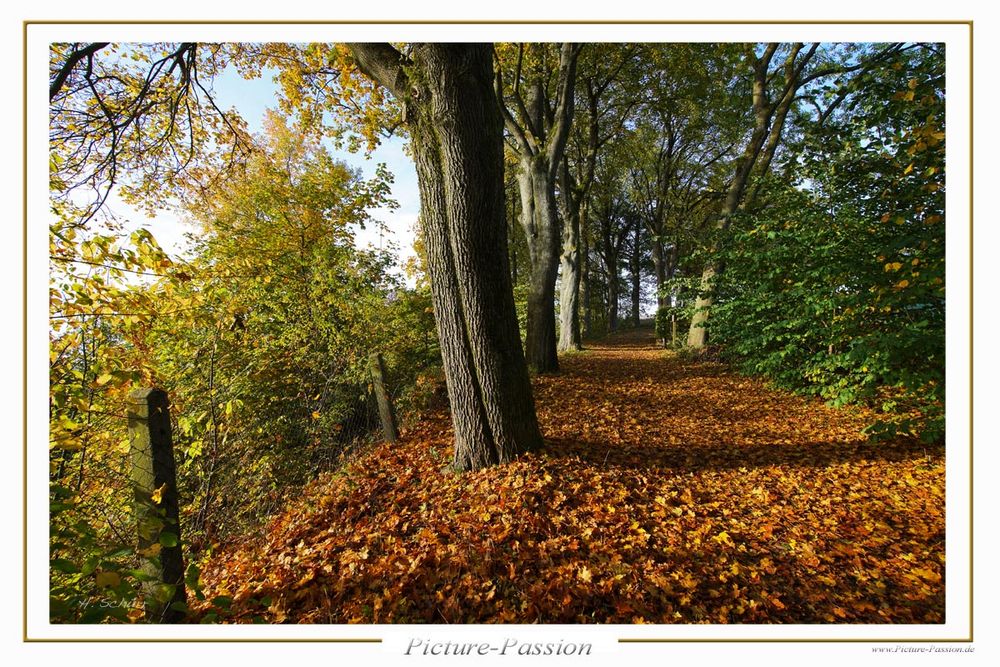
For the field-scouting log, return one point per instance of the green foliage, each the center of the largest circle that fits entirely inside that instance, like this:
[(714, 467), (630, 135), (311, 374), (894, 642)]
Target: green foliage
[(89, 576), (271, 373), (837, 286), (261, 337)]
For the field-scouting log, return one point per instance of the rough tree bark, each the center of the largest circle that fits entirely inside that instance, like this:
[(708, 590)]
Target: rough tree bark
[(574, 212), (453, 119)]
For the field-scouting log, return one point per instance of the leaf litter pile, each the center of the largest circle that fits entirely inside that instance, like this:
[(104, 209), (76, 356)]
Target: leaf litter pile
[(667, 492)]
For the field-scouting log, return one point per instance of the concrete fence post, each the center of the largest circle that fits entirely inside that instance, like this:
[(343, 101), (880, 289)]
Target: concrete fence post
[(154, 484)]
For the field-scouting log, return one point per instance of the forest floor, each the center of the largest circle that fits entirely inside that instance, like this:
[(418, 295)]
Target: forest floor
[(668, 491)]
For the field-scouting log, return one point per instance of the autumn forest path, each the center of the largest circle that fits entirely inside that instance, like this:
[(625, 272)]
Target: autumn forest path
[(668, 492), (632, 403)]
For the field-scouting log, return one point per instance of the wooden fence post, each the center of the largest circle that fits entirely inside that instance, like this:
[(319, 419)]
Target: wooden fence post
[(385, 410), (154, 484)]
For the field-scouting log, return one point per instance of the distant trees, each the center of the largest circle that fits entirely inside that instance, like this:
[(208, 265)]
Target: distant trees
[(683, 141), (608, 91)]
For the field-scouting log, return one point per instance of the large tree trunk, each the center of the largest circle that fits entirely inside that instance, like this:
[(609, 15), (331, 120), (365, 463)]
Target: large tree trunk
[(456, 131), (569, 293), (539, 133), (541, 227), (569, 313)]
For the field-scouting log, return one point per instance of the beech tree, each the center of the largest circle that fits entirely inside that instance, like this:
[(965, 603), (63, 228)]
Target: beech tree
[(774, 92), (537, 106), (768, 120), (454, 122)]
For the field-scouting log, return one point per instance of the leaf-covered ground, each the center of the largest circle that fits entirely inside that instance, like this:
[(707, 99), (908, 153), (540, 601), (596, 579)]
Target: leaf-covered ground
[(668, 492)]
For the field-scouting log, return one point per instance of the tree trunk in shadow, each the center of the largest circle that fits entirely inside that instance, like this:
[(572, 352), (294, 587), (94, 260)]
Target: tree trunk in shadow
[(456, 129)]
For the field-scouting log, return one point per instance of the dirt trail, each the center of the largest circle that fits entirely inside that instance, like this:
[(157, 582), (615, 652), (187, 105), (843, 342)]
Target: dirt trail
[(667, 492)]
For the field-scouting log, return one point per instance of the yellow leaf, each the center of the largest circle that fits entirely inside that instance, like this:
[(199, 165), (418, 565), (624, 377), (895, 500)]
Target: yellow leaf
[(585, 574), (893, 266), (105, 579), (315, 415), (104, 379), (908, 169), (928, 574), (152, 551), (157, 495), (724, 538), (902, 283)]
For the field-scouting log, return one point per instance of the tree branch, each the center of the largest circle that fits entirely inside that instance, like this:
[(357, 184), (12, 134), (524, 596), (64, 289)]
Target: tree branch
[(384, 64), (71, 62), (564, 105)]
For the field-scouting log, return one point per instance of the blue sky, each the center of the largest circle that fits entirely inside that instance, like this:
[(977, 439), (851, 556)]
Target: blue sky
[(251, 98)]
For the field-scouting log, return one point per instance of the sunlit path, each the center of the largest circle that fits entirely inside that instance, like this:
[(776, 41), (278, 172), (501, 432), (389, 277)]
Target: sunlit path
[(667, 492)]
